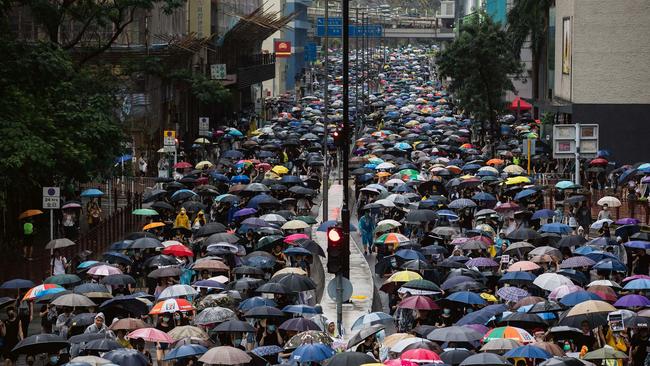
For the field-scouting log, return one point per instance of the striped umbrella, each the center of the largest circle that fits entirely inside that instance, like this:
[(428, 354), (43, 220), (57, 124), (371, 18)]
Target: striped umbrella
[(392, 238), (171, 306), (481, 262), (377, 317), (42, 290), (511, 293), (509, 332)]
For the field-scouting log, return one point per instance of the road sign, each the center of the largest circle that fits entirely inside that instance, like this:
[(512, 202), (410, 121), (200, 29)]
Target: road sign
[(347, 289), (218, 71), (369, 30), (282, 48), (565, 141), (336, 22), (51, 198), (169, 140)]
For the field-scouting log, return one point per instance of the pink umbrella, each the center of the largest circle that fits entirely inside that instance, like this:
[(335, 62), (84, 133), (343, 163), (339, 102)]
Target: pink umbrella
[(418, 302), (563, 290), (398, 362), (420, 355), (523, 266), (104, 270), (293, 237), (151, 335), (636, 277), (479, 328)]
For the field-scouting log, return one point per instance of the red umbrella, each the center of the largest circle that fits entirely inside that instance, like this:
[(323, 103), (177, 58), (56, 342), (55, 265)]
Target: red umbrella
[(420, 355), (182, 165), (598, 161), (293, 237), (178, 250), (521, 104), (151, 335), (507, 207), (419, 303)]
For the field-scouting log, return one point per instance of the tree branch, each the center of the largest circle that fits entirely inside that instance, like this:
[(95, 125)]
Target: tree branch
[(118, 31)]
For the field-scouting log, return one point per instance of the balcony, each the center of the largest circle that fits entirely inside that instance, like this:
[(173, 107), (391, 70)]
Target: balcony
[(250, 69)]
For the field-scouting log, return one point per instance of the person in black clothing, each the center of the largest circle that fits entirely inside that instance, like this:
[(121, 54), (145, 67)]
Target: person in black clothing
[(12, 334), (641, 262), (587, 338), (640, 342)]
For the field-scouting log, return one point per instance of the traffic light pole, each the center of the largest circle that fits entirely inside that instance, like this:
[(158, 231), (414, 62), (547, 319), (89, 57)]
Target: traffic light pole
[(326, 105), (345, 211)]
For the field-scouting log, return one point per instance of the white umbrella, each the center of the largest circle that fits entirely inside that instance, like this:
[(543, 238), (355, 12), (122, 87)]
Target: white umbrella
[(401, 345), (609, 201), (394, 182), (294, 225), (91, 360), (385, 165), (607, 283), (273, 218), (59, 243), (550, 281), (398, 199), (599, 224), (177, 291), (385, 203)]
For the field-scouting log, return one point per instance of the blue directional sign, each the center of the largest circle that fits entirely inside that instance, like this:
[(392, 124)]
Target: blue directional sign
[(369, 30), (336, 22), (311, 52), (331, 31)]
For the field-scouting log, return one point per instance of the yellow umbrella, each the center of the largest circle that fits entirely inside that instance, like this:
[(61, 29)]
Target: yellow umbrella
[(279, 169), (404, 276), (204, 165), (383, 174), (517, 180), (153, 225), (488, 297), (290, 270)]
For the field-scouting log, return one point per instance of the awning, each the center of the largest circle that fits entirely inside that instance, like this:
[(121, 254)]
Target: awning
[(254, 27)]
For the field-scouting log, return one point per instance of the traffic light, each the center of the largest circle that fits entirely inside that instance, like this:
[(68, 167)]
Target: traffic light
[(336, 249), (336, 135)]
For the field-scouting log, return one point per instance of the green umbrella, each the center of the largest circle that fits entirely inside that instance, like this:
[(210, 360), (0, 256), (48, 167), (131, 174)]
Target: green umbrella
[(268, 240), (605, 353), (63, 279), (307, 219), (145, 212)]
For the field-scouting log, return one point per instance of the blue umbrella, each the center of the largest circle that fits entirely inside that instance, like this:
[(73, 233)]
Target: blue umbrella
[(219, 177), (484, 197), (556, 227), (244, 179), (482, 316), (524, 194), (369, 319), (330, 223), (297, 251), (543, 214), (209, 284), (182, 194), (627, 230), (466, 297), (255, 301), (469, 167), (121, 245), (300, 309), (577, 297), (260, 199), (123, 159), (126, 357), (599, 255), (235, 132), (114, 257), (528, 351), (638, 244), (260, 262), (410, 254), (545, 316), (92, 192), (638, 284), (232, 154), (312, 352), (17, 283), (448, 214), (610, 264), (87, 264), (626, 175), (517, 276), (186, 350)]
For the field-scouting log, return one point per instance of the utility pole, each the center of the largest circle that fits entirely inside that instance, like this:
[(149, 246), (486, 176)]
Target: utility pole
[(326, 105), (356, 67), (345, 210)]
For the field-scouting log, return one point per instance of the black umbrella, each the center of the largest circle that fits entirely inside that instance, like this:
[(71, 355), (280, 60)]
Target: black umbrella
[(523, 320), (40, 343), (234, 325), (82, 320), (522, 234), (485, 359), (570, 241), (220, 238), (562, 361), (125, 304), (126, 357), (209, 229), (248, 270), (455, 356), (454, 334), (146, 243), (165, 272), (299, 325), (117, 279), (350, 359), (162, 205), (138, 235), (160, 260), (101, 345), (311, 246), (86, 337), (264, 312), (154, 195), (295, 282), (364, 333), (418, 216), (545, 307), (245, 283), (273, 288)]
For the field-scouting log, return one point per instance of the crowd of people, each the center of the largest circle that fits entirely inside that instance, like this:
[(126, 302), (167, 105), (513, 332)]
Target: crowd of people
[(479, 263)]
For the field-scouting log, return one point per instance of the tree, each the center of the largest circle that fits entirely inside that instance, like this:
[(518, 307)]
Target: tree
[(58, 123), (480, 63), (94, 25), (528, 20)]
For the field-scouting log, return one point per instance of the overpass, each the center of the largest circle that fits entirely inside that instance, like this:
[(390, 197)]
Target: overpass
[(410, 33)]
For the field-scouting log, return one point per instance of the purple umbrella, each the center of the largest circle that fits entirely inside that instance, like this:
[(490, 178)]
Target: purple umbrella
[(632, 301), (627, 221), (511, 293), (245, 212), (577, 262), (454, 281), (479, 328), (481, 262)]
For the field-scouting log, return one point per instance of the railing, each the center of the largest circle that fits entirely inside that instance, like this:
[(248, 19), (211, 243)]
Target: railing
[(117, 188), (112, 229)]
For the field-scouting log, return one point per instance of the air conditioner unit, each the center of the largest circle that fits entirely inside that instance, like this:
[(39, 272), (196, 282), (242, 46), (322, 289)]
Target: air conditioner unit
[(447, 10)]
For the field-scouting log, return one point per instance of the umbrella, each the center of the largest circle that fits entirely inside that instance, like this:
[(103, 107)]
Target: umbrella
[(264, 312), (63, 279), (42, 290), (312, 352), (377, 317), (632, 301), (298, 325), (40, 343), (364, 333), (454, 334), (17, 283), (225, 355), (101, 345), (593, 311), (528, 351), (118, 279), (212, 315), (510, 332), (59, 243), (420, 356), (455, 356), (177, 291), (73, 300), (310, 336), (605, 353), (296, 283), (562, 361), (511, 293), (550, 281), (499, 345), (92, 193), (466, 297), (128, 324), (184, 351), (264, 351), (350, 359), (126, 357), (485, 359), (419, 303), (165, 272), (88, 360), (609, 201), (187, 331), (576, 262), (145, 212), (171, 306), (151, 335), (30, 213), (234, 325)]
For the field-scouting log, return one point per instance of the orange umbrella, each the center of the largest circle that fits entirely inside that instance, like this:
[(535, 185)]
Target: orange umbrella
[(523, 266), (383, 174), (29, 213), (153, 225), (454, 169), (495, 162)]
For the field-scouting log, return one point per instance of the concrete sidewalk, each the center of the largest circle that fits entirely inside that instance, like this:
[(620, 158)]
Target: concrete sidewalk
[(361, 276)]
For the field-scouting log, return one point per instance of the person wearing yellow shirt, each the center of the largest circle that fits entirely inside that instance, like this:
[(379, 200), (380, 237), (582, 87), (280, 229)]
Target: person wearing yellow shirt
[(182, 220), (619, 342)]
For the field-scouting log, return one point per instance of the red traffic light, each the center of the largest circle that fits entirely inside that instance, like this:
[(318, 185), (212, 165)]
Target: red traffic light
[(333, 235)]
